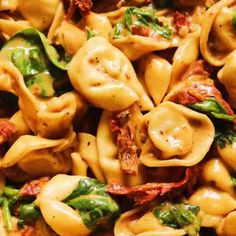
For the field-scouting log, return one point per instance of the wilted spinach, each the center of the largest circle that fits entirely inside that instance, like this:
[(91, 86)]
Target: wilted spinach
[(179, 216), (212, 108), (141, 17), (95, 206)]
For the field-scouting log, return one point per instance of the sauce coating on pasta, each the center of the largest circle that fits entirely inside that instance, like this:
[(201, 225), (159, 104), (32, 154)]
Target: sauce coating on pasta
[(117, 118)]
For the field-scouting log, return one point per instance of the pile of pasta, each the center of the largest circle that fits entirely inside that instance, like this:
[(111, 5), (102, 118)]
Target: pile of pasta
[(117, 117)]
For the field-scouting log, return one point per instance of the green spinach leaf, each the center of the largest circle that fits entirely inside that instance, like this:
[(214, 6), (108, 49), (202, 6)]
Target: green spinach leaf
[(87, 186), (30, 51), (90, 33), (141, 17), (7, 218), (94, 205), (234, 19), (212, 108), (28, 213), (37, 39), (179, 216), (224, 136), (28, 61), (233, 182)]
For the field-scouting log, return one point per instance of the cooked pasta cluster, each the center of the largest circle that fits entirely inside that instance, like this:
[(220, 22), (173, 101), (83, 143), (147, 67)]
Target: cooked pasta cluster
[(117, 117)]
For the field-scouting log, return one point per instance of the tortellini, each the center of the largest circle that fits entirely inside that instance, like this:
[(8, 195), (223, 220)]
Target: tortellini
[(227, 226), (214, 205), (186, 54), (176, 136), (156, 73), (8, 5), (79, 202), (72, 36), (39, 13), (108, 152), (227, 77), (21, 127), (216, 172), (9, 26), (50, 118), (135, 46), (130, 224), (65, 33), (147, 222), (217, 39), (38, 156), (105, 77), (87, 148), (139, 39), (227, 154), (97, 24)]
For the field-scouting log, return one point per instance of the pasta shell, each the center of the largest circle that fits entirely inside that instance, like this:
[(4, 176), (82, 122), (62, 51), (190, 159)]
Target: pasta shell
[(185, 55), (21, 127), (212, 201), (65, 33), (38, 156), (178, 136), (87, 147), (156, 73), (54, 211), (98, 23), (218, 26), (39, 13), (9, 27), (227, 77), (227, 154), (134, 46), (105, 77), (8, 5), (108, 152), (215, 171), (49, 118), (228, 227)]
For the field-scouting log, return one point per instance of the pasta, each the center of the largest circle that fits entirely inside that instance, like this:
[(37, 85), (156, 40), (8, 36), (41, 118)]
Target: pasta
[(168, 136), (117, 118)]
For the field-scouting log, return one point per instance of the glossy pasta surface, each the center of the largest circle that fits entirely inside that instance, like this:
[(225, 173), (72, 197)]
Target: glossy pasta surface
[(117, 118)]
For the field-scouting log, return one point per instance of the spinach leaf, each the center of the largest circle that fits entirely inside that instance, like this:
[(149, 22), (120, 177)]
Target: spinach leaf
[(95, 211), (10, 191), (28, 213), (38, 61), (9, 197), (41, 85), (233, 182), (87, 186), (90, 33), (7, 218), (29, 62), (224, 136), (141, 17), (95, 206), (179, 216), (234, 19), (37, 39), (11, 194), (212, 108), (117, 30)]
